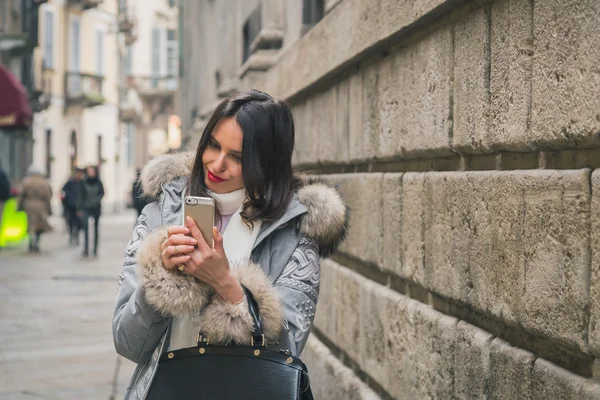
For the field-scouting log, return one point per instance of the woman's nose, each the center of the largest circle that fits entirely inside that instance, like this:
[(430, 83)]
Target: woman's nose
[(219, 164)]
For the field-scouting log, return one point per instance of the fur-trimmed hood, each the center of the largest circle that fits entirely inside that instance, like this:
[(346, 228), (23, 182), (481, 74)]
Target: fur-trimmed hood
[(325, 218)]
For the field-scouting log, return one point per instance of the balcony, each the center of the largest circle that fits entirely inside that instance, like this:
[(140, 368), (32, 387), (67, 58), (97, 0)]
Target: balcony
[(148, 86), (83, 89), (128, 112), (85, 4), (126, 24)]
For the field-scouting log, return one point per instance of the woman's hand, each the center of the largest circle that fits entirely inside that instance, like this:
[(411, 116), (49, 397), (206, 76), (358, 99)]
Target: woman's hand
[(177, 248), (210, 265)]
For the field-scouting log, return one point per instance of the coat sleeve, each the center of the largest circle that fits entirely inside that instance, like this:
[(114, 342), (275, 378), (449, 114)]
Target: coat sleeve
[(289, 303), (137, 326)]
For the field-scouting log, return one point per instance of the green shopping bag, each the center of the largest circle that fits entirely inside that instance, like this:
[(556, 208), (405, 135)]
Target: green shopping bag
[(14, 224)]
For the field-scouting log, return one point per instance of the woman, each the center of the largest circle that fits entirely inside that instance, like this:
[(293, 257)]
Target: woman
[(271, 231), (35, 198), (91, 206)]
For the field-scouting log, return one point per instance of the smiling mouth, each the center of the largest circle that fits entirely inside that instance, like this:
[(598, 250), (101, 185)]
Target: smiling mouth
[(213, 178)]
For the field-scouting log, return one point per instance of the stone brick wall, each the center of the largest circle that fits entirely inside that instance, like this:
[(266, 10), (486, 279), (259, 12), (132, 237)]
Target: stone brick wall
[(465, 137)]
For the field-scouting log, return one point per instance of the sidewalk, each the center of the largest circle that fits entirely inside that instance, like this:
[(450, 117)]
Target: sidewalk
[(55, 318)]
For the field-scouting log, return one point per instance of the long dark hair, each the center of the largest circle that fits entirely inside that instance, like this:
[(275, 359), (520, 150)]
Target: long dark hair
[(267, 146)]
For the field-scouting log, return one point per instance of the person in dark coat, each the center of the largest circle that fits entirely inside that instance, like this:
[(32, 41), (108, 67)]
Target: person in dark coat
[(91, 206), (139, 200), (72, 193)]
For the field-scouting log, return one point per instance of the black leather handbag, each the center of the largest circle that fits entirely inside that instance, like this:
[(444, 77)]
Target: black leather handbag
[(253, 372)]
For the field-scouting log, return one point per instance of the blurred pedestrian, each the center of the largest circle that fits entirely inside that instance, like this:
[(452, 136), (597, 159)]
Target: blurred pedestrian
[(72, 194), (35, 198), (139, 200), (91, 206)]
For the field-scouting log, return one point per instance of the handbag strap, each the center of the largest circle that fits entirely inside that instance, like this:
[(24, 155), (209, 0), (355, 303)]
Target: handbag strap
[(258, 339)]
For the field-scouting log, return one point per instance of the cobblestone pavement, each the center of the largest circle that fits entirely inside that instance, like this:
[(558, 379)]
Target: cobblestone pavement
[(55, 319)]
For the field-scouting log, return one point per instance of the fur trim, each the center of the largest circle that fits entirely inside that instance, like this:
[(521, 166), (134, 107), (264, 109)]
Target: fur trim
[(170, 292), (327, 219), (164, 169), (223, 323)]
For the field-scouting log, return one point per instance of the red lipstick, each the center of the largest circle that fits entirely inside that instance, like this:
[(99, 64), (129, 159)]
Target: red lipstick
[(213, 178)]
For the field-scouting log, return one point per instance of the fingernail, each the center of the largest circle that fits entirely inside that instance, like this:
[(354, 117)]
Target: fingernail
[(190, 248), (193, 241)]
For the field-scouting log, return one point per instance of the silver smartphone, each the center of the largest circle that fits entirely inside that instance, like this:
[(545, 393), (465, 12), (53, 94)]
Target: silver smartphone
[(201, 210)]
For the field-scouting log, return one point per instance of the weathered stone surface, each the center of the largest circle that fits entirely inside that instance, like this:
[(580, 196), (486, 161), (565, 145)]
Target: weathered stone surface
[(355, 120), (471, 94), (326, 317), (362, 194), (341, 127), (510, 371), (414, 98), (472, 362), (329, 378), (329, 45), (513, 244), (552, 382), (392, 223), (566, 75), (322, 125), (348, 309), (371, 122), (510, 75), (594, 334), (383, 337), (305, 143)]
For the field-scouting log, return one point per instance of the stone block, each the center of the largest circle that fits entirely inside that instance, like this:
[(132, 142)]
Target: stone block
[(427, 368), (471, 93), (565, 65), (414, 98), (414, 198), (341, 127), (326, 140), (370, 103), (326, 317), (472, 362), (329, 378), (362, 194), (383, 335), (511, 61), (392, 223), (510, 372), (348, 308), (552, 382), (512, 244), (594, 335), (305, 143)]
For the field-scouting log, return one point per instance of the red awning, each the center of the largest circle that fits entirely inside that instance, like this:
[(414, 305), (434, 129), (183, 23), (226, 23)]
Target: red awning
[(14, 106)]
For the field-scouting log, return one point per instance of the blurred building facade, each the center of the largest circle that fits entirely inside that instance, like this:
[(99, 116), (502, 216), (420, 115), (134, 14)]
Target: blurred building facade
[(464, 138), (21, 84), (79, 53), (149, 65), (105, 64)]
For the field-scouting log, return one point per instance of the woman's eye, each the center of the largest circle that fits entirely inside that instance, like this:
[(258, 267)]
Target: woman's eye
[(213, 144), (236, 157)]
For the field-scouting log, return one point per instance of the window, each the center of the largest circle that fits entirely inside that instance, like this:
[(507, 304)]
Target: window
[(312, 11), (48, 39), (74, 49), (73, 151), (128, 61), (172, 3), (252, 27), (172, 55), (100, 52), (3, 16), (49, 152)]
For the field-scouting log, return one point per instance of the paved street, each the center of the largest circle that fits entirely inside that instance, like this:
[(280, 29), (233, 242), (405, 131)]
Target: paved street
[(55, 319)]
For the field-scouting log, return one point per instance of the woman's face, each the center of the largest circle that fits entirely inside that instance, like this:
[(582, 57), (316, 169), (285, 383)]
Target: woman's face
[(222, 158)]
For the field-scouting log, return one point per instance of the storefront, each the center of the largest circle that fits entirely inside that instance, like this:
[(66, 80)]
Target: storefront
[(16, 141)]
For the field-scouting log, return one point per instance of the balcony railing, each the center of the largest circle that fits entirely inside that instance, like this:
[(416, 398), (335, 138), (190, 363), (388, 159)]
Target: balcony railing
[(154, 86), (84, 89), (85, 4)]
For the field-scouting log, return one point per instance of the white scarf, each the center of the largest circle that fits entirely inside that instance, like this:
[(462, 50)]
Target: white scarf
[(238, 241)]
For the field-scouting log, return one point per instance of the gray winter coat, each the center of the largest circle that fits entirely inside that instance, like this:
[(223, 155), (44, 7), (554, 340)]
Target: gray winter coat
[(283, 275)]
